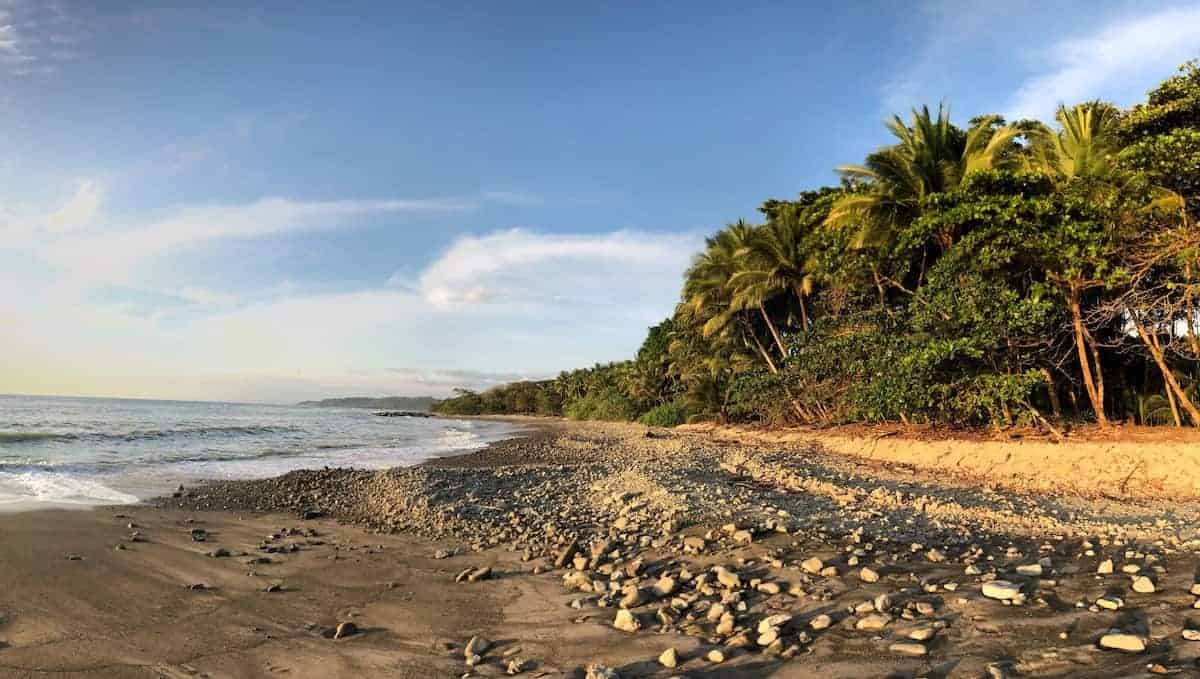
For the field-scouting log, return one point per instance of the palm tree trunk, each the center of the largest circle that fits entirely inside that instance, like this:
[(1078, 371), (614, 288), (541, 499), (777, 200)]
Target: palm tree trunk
[(1152, 344), (1095, 395), (783, 352), (766, 355), (803, 308)]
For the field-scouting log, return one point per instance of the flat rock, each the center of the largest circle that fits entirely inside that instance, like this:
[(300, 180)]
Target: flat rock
[(910, 648), (1129, 643), (1001, 589)]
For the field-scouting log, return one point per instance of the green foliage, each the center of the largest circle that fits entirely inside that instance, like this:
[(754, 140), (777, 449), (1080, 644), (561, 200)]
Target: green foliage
[(670, 414), (982, 276)]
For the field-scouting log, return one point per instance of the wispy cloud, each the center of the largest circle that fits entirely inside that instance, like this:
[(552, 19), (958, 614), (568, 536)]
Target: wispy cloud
[(35, 36), (1136, 49)]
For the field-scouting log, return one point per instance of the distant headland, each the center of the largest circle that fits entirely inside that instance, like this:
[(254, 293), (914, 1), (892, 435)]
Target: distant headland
[(421, 403)]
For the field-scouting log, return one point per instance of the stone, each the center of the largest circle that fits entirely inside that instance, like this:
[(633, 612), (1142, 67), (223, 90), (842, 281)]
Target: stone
[(565, 556), (773, 621), (598, 671), (715, 656), (1191, 634), (868, 574), (743, 536), (517, 666), (768, 637), (1143, 585), (1128, 643), (908, 648), (664, 587), (477, 646), (812, 565), (728, 578), (669, 658), (820, 622), (346, 630), (873, 622), (1105, 567), (1030, 569), (1110, 603), (1001, 589), (769, 588), (480, 574), (626, 621)]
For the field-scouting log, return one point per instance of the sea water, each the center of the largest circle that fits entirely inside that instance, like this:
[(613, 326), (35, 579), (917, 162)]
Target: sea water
[(58, 451)]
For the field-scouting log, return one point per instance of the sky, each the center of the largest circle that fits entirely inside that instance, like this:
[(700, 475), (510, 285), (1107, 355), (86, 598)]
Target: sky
[(283, 201)]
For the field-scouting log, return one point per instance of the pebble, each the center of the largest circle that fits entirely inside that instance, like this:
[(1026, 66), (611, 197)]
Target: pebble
[(1129, 643), (908, 648), (1105, 567), (715, 656), (1001, 589), (626, 621), (669, 658), (1143, 585), (868, 575), (345, 629), (873, 622)]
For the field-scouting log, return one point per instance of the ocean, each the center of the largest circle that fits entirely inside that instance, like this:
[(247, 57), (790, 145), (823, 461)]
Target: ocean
[(78, 452)]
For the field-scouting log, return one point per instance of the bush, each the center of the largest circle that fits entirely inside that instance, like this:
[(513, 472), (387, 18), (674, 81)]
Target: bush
[(666, 415), (607, 404)]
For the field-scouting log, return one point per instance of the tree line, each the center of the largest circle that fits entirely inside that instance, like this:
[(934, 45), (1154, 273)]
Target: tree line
[(996, 274)]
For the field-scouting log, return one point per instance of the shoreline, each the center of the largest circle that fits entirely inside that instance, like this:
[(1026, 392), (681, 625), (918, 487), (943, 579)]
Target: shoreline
[(557, 529)]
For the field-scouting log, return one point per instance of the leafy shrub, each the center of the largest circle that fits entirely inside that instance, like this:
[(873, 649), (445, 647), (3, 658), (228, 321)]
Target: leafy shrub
[(666, 415), (607, 404)]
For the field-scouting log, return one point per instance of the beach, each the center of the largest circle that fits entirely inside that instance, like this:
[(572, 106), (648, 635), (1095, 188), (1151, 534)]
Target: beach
[(579, 548)]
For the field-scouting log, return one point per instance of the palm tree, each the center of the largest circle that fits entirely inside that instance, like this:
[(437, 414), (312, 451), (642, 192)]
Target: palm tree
[(776, 261), (1085, 146), (931, 156), (711, 299)]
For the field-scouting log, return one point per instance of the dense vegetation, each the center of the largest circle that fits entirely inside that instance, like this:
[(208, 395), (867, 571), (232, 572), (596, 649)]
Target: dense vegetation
[(997, 274)]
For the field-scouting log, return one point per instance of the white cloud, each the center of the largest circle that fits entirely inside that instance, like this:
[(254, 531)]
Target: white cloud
[(519, 266), (1137, 49), (561, 301), (80, 210)]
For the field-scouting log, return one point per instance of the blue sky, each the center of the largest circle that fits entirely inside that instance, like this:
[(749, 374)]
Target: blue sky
[(273, 202)]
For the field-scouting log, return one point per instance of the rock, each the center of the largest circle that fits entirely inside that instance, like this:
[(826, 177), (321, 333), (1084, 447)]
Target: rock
[(694, 542), (443, 554), (909, 648), (477, 646), (868, 575), (820, 622), (770, 588), (1030, 569), (728, 578), (812, 565), (1001, 589), (743, 536), (626, 621), (715, 656), (1105, 567), (219, 553), (669, 658), (517, 666), (1195, 590), (598, 671), (345, 629), (631, 597), (1129, 643), (480, 574), (1143, 585), (873, 622), (773, 621), (564, 557), (1110, 603), (1191, 634), (664, 587), (768, 637)]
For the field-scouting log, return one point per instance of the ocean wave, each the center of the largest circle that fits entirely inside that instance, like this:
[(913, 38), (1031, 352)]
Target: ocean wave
[(58, 488), (13, 437)]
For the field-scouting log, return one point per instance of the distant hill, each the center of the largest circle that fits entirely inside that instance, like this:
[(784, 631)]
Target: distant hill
[(421, 403)]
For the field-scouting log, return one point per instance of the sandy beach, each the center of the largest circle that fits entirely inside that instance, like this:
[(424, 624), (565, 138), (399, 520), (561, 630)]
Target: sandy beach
[(578, 546)]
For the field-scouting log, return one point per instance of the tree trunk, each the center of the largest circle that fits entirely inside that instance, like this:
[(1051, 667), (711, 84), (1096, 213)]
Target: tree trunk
[(1156, 353), (765, 354), (803, 308), (1095, 395), (1052, 389), (783, 352)]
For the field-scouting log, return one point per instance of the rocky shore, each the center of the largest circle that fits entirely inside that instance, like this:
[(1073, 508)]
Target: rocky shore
[(750, 560)]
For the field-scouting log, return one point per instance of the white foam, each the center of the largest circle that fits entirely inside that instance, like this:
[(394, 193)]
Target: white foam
[(49, 487)]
